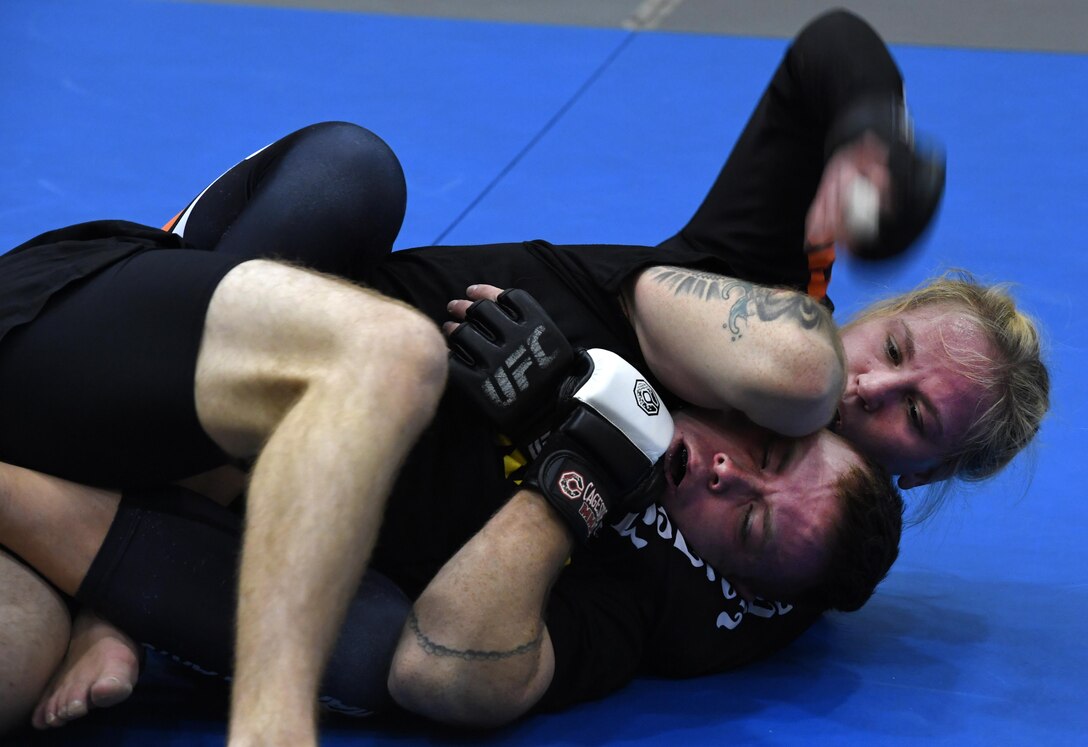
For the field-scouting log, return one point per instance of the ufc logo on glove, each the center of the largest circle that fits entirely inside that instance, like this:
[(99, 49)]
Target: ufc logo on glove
[(503, 385)]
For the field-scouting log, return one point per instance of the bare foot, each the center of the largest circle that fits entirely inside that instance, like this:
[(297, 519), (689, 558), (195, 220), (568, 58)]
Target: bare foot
[(99, 670)]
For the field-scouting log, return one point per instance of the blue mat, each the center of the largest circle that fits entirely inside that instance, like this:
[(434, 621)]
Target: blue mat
[(117, 108)]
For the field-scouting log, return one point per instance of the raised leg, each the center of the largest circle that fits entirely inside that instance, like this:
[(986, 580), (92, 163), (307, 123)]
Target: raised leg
[(331, 386), (330, 196)]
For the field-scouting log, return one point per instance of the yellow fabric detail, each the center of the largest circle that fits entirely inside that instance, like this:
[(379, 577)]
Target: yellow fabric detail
[(511, 463), (512, 460)]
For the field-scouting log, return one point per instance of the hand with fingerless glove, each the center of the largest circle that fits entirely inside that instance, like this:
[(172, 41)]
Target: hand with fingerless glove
[(608, 427), (510, 359)]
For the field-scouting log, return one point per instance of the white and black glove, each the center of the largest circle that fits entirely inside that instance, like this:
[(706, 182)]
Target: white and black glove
[(593, 426), (607, 455)]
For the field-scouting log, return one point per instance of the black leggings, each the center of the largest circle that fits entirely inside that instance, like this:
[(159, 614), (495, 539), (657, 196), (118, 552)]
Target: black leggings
[(330, 196), (165, 574), (98, 388)]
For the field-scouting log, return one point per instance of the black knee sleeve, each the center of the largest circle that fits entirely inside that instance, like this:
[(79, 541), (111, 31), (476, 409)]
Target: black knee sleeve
[(166, 575), (355, 679)]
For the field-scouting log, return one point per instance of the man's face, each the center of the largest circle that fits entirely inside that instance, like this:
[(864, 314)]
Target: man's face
[(758, 507)]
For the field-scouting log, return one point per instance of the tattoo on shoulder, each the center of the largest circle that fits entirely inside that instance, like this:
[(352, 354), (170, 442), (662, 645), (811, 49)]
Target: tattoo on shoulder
[(743, 298), (437, 649)]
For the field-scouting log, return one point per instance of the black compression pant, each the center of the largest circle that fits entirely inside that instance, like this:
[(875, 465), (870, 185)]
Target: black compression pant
[(98, 388), (165, 575), (330, 196)]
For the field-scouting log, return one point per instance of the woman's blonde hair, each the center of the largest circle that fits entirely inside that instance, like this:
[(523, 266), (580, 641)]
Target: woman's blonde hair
[(1015, 378)]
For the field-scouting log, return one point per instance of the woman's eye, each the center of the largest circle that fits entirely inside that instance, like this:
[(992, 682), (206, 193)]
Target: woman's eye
[(892, 350)]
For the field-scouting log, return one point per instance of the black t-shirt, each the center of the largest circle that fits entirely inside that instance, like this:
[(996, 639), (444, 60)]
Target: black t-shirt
[(454, 478), (636, 599)]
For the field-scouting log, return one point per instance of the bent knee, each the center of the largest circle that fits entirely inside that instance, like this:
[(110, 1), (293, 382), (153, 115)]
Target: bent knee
[(403, 351), (367, 173), (274, 333), (350, 145)]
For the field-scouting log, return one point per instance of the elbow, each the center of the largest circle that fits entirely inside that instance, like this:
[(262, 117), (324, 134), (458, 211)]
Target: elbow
[(822, 367), (807, 388), (419, 688), (452, 693)]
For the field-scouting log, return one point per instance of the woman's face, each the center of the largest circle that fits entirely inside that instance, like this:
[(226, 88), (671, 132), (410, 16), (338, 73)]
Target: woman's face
[(909, 398)]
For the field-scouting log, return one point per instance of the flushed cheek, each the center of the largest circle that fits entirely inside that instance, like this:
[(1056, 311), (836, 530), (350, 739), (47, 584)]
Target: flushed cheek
[(872, 437), (705, 530)]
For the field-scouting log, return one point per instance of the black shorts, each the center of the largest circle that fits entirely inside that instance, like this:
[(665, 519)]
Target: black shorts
[(99, 387)]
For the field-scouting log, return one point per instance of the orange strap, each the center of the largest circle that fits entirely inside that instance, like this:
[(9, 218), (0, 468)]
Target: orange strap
[(819, 271), (172, 222)]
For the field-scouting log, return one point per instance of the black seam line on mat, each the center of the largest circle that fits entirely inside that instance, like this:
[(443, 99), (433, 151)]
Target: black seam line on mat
[(539, 135)]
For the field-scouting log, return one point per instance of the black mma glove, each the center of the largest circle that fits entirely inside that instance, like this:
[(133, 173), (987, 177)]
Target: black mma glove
[(607, 455), (917, 174), (510, 359)]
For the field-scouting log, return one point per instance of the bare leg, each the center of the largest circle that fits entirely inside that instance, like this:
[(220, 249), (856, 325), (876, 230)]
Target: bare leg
[(34, 624), (332, 385), (58, 526), (99, 670), (33, 636)]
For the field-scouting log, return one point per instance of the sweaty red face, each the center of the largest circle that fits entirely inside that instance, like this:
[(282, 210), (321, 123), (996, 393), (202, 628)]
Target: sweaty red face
[(758, 507), (909, 397)]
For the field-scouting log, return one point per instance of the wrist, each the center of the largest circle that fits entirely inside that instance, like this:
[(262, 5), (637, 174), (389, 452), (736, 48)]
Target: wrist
[(577, 490), (550, 530)]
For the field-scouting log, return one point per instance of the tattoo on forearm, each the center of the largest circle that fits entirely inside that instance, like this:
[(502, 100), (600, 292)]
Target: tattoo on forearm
[(744, 298), (437, 649)]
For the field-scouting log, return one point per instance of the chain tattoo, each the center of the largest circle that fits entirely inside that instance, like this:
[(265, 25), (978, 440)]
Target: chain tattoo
[(437, 649), (768, 304)]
